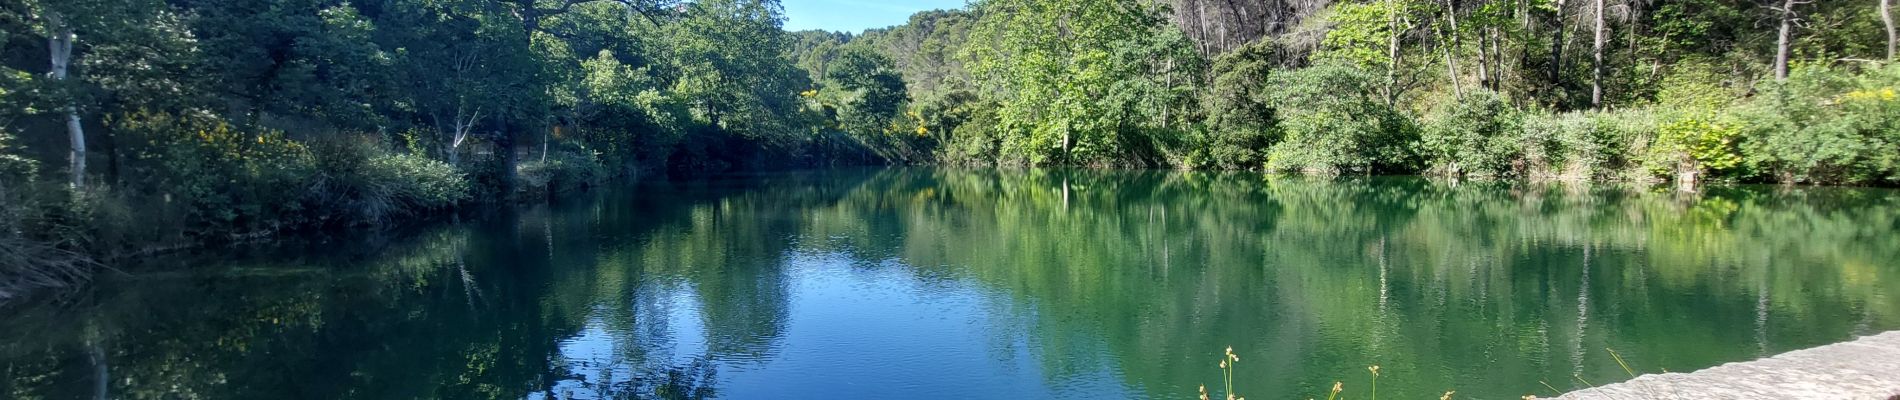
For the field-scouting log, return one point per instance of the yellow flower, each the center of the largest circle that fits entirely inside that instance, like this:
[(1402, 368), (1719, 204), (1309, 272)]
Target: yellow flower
[(1374, 369), (1338, 386), (1447, 395)]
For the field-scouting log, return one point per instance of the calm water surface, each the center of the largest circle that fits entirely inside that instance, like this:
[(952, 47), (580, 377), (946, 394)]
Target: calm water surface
[(924, 283)]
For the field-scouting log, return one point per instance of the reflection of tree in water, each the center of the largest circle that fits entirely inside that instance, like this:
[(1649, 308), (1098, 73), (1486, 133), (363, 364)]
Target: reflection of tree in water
[(647, 293), (469, 311), (702, 284), (1482, 284)]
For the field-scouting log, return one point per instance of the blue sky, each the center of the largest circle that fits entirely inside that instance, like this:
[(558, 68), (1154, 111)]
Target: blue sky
[(856, 15)]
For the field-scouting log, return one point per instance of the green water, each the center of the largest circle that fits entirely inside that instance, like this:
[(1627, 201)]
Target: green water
[(922, 283)]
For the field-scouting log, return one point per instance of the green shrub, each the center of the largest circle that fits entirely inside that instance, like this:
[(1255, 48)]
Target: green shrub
[(1826, 126), (357, 182), (224, 179), (1697, 144), (1478, 135), (976, 140), (1335, 123), (560, 171), (16, 174), (1620, 139), (14, 169), (1240, 125)]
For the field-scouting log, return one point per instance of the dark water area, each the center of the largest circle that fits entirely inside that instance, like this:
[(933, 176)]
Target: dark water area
[(939, 283)]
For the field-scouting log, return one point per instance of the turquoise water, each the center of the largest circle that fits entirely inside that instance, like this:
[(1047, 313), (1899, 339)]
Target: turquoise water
[(936, 283)]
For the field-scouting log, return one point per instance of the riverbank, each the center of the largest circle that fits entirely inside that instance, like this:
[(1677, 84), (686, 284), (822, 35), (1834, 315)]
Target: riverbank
[(218, 188), (1863, 368)]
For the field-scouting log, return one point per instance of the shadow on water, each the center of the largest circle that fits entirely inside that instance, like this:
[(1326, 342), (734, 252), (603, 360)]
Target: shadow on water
[(992, 284)]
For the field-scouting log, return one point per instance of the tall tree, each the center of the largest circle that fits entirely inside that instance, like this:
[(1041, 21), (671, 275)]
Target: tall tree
[(59, 40), (1785, 38), (1596, 60), (1557, 44), (1451, 60), (1886, 17), (104, 23)]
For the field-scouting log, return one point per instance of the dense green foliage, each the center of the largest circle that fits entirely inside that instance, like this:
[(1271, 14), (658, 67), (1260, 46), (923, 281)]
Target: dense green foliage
[(1537, 89), (238, 117), (215, 118)]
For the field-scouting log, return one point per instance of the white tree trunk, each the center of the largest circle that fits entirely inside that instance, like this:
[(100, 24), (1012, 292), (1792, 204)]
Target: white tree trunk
[(1886, 17), (1451, 63), (59, 41), (1782, 44), (462, 128), (1596, 62), (1392, 53)]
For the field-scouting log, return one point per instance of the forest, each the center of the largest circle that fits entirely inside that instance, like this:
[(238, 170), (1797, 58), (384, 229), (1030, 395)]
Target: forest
[(134, 125)]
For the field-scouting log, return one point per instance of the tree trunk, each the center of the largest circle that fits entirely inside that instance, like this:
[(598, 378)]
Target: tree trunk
[(1557, 47), (1886, 17), (59, 42), (1596, 61), (1392, 53), (1451, 63), (1484, 60), (1786, 36), (1497, 60)]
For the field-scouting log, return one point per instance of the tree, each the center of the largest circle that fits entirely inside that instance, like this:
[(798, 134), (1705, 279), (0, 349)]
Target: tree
[(1886, 17), (1785, 38), (59, 39), (1451, 63), (1560, 23), (1596, 62), (1069, 74)]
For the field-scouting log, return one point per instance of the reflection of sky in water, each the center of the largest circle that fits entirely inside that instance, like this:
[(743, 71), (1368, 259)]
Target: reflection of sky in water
[(919, 283), (853, 327), (597, 359)]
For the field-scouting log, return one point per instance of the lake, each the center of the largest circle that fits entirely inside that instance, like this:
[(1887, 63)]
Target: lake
[(945, 283)]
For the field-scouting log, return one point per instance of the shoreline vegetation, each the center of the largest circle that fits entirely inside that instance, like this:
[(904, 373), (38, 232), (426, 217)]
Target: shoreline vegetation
[(133, 125)]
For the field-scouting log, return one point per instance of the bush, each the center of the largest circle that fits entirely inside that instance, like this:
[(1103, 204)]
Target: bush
[(223, 178), (1240, 124), (976, 140), (1826, 126), (357, 182), (1480, 135), (560, 171), (1694, 144), (1335, 123)]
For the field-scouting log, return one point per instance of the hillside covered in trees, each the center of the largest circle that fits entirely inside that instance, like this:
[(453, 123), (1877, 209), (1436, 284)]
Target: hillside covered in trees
[(1697, 90), (159, 121)]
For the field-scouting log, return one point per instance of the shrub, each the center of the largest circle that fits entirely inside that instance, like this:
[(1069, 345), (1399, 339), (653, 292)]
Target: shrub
[(1825, 126), (1695, 144), (1620, 138), (1561, 146), (1334, 123), (16, 174), (222, 177), (357, 182), (1240, 124), (1480, 134), (976, 140), (559, 171)]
